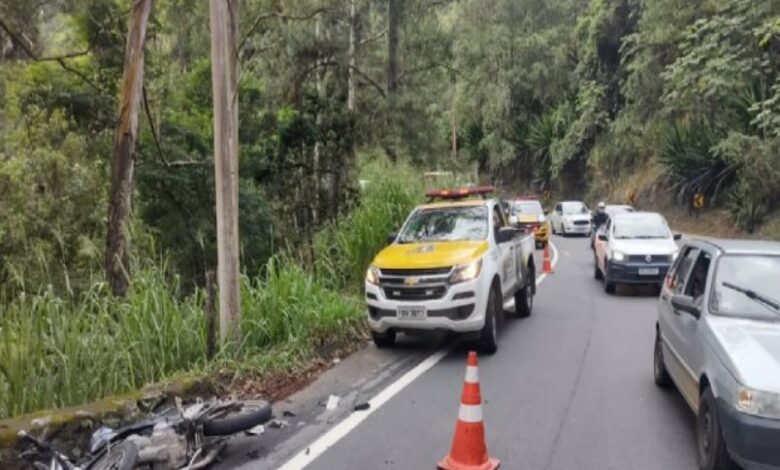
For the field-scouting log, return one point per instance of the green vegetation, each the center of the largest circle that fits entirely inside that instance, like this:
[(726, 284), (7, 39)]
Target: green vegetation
[(57, 351)]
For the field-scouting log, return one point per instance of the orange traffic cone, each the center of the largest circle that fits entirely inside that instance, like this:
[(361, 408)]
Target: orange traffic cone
[(469, 451), (547, 264)]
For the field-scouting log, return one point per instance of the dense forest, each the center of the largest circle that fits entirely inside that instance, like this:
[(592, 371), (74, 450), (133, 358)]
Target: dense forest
[(586, 98)]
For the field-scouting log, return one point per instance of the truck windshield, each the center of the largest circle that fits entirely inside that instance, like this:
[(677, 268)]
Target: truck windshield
[(527, 207), (647, 227), (746, 286), (446, 224)]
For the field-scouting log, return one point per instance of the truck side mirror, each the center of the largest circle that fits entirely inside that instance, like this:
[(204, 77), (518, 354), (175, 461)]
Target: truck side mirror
[(391, 238), (505, 234), (677, 236)]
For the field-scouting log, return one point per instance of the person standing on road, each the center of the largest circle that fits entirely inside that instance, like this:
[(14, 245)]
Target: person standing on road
[(600, 217)]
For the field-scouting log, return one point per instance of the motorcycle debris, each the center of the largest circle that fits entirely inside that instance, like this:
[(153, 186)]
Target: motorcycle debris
[(333, 402), (256, 431), (362, 406), (278, 424)]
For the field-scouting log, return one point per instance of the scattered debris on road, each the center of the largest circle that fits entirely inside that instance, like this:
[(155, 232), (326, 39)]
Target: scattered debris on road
[(333, 402), (362, 406), (257, 430)]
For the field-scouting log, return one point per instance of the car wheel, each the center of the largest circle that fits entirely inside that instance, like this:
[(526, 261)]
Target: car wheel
[(609, 287), (660, 374), (489, 336), (383, 340), (524, 298), (712, 451)]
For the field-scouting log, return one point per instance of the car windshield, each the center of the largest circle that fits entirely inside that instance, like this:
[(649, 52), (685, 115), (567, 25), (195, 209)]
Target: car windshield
[(647, 227), (574, 208), (527, 207), (759, 275), (612, 210), (446, 224)]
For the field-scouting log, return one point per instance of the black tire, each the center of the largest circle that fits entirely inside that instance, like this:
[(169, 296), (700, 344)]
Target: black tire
[(524, 298), (660, 374), (383, 340), (609, 287), (489, 335), (120, 456), (711, 447), (240, 421)]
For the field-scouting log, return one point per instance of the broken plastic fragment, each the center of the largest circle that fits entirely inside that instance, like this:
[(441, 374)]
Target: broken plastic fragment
[(333, 402), (257, 430)]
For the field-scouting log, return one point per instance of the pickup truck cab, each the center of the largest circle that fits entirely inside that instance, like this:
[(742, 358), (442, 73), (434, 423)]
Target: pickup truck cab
[(526, 212), (453, 266)]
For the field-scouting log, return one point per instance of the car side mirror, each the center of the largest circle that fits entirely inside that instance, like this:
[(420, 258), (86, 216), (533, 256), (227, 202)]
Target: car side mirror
[(506, 234), (603, 237), (685, 303), (391, 238), (677, 236)]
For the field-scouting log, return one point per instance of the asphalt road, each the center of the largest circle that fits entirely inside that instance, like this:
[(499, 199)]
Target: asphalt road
[(570, 388)]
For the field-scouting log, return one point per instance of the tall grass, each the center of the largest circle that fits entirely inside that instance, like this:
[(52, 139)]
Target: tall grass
[(345, 248), (57, 352), (62, 351)]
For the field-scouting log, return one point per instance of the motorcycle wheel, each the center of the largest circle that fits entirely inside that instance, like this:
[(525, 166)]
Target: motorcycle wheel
[(241, 420), (121, 456)]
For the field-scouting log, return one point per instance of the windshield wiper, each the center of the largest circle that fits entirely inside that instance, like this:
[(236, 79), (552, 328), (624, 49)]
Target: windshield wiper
[(761, 299)]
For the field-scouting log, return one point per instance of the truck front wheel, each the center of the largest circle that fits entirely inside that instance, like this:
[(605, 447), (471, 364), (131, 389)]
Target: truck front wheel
[(524, 298), (489, 338), (383, 340)]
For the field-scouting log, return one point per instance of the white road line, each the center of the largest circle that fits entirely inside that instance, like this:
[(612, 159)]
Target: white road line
[(337, 432)]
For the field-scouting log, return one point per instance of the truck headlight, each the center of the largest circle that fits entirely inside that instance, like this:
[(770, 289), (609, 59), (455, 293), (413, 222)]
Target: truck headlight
[(372, 275), (757, 403), (618, 256), (466, 272)]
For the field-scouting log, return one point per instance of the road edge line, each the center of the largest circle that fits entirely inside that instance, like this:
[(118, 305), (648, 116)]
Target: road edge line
[(331, 437)]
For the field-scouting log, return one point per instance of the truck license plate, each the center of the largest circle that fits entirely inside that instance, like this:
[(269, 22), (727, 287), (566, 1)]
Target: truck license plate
[(412, 313), (648, 271)]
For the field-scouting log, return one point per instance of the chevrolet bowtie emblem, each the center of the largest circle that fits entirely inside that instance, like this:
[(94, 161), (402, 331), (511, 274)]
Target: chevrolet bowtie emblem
[(411, 281), (649, 258)]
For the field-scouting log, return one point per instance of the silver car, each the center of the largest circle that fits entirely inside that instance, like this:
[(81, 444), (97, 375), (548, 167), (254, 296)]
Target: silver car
[(718, 341)]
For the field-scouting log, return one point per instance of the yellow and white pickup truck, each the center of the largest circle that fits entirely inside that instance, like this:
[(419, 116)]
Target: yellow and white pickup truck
[(453, 266)]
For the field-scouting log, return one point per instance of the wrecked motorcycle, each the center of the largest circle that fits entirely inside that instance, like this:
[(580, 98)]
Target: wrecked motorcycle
[(179, 438)]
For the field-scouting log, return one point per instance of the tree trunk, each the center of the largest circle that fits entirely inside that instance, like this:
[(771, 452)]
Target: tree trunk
[(353, 43), (393, 24), (315, 201), (117, 261), (224, 34), (394, 9)]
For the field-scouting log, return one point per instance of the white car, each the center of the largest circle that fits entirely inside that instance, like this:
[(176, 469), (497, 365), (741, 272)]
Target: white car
[(570, 218), (634, 248)]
